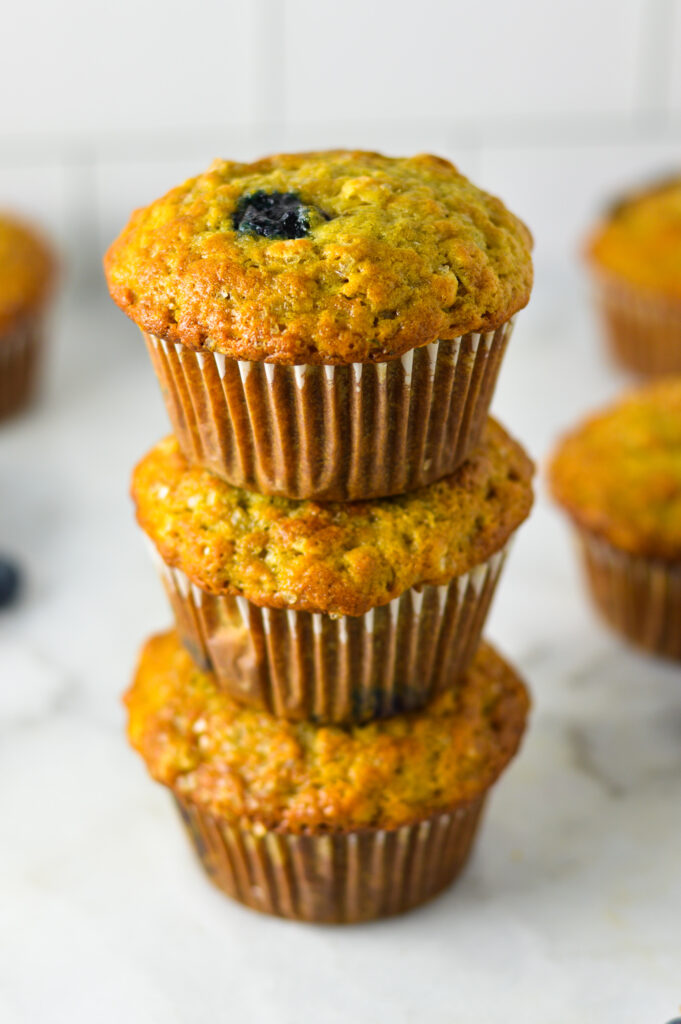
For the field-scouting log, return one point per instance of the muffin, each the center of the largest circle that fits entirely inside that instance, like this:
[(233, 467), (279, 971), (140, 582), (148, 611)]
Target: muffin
[(26, 272), (325, 325), (618, 477), (635, 257), (337, 611), (323, 823)]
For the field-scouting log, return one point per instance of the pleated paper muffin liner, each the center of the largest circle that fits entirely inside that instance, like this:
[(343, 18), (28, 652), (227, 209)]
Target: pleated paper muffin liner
[(644, 331), (347, 669), (334, 878), (640, 597), (20, 350), (341, 433)]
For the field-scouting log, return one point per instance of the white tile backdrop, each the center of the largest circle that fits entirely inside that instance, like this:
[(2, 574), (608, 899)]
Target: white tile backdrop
[(553, 106)]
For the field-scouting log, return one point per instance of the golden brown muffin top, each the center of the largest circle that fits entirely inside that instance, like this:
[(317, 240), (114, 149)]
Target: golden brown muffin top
[(26, 269), (388, 254), (253, 769), (641, 239), (619, 473), (338, 558)]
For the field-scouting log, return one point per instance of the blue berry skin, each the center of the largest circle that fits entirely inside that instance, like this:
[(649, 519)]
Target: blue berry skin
[(272, 215), (9, 582)]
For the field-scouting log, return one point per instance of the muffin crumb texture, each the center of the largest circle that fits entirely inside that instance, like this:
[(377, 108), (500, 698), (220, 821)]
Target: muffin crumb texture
[(373, 256), (337, 558), (261, 772), (618, 475)]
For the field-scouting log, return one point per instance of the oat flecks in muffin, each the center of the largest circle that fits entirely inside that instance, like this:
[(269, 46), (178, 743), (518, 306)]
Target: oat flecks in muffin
[(619, 473), (398, 253), (337, 558), (640, 241), (26, 270), (251, 768)]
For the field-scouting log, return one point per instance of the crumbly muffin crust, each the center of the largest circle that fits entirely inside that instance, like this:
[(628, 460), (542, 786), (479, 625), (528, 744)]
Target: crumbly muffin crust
[(337, 558), (398, 253), (618, 474), (26, 270), (640, 241), (253, 769)]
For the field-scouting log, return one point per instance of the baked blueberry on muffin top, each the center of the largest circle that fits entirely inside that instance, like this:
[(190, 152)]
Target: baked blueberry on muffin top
[(272, 215)]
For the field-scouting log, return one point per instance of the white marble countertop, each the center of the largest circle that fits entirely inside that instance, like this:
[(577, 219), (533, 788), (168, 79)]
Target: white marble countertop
[(570, 909)]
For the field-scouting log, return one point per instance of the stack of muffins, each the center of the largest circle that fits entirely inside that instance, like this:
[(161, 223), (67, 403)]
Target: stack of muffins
[(330, 519)]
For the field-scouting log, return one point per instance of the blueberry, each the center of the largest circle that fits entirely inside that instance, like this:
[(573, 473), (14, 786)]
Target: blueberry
[(272, 215), (9, 582)]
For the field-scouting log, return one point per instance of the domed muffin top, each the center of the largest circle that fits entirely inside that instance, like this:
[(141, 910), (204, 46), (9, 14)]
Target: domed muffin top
[(619, 473), (26, 270), (258, 771), (640, 240), (327, 257), (331, 557)]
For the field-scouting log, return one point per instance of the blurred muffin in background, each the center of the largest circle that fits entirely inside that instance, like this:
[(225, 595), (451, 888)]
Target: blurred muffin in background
[(26, 275), (635, 257), (618, 477)]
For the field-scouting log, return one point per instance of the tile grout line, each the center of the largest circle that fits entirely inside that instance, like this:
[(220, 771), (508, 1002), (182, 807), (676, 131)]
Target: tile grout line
[(270, 106), (82, 211), (601, 130), (655, 62)]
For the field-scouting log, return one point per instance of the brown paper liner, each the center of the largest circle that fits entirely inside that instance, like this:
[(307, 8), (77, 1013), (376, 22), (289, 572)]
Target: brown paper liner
[(334, 878), (644, 332), (639, 597), (346, 669), (19, 361), (341, 433)]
